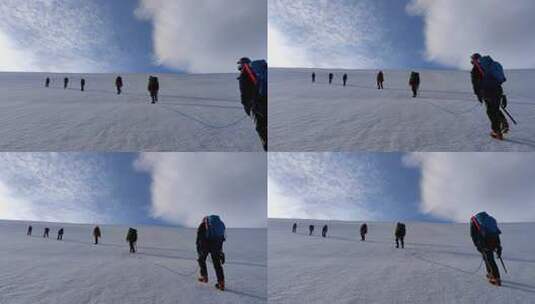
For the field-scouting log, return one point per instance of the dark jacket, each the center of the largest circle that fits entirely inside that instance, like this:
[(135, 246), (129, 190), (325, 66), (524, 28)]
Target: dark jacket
[(154, 84), (476, 80), (131, 236), (119, 82), (60, 231), (204, 244), (414, 79), (96, 232), (400, 230), (380, 77), (363, 229), (248, 90)]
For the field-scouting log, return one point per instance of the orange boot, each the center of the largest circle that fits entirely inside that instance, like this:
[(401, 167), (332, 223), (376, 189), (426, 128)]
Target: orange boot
[(203, 279), (220, 285)]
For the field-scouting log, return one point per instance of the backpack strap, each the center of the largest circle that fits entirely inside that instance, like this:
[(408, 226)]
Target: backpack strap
[(476, 223), (250, 74)]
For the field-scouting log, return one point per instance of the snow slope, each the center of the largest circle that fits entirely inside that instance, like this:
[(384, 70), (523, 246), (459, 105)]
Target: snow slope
[(195, 113), (36, 270), (438, 265), (445, 117)]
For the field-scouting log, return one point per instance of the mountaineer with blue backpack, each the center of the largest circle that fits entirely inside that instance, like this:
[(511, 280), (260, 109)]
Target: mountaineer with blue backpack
[(487, 79), (210, 238), (254, 92), (486, 237)]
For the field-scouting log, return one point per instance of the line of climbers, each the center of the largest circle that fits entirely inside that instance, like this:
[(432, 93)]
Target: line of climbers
[(484, 233), (210, 237), (487, 77)]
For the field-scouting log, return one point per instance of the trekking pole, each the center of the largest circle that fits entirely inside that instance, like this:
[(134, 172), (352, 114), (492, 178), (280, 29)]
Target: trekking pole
[(503, 264), (507, 112)]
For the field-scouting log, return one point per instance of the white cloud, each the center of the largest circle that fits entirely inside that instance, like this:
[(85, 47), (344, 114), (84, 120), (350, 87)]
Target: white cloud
[(55, 36), (455, 29), (320, 186), (455, 186), (52, 187), (188, 186), (324, 34), (205, 35)]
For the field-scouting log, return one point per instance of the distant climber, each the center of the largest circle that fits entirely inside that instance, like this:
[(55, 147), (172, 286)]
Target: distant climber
[(82, 84), (380, 80), (60, 234), (96, 234), (344, 79), (310, 229), (65, 82), (324, 231), (399, 234), (45, 234), (153, 88), (294, 228), (253, 83), (486, 237), (210, 238), (313, 77), (119, 84), (131, 238), (29, 232), (414, 82), (331, 78), (363, 231), (47, 82), (487, 79)]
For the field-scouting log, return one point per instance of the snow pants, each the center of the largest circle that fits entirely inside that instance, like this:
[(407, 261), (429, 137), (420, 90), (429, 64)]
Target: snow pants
[(132, 247), (496, 117), (345, 82), (45, 235), (215, 251), (414, 88), (294, 229), (363, 236), (154, 96), (400, 239), (118, 90), (310, 231), (60, 237), (261, 127), (379, 85), (490, 263), (324, 233), (96, 240)]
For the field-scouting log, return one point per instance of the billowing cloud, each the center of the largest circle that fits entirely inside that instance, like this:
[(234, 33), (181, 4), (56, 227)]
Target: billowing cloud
[(325, 34), (455, 186), (204, 35), (53, 187), (320, 186), (55, 36), (188, 186), (455, 29)]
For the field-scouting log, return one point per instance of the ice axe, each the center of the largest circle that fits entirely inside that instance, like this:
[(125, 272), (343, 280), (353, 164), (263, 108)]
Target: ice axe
[(503, 264), (504, 103)]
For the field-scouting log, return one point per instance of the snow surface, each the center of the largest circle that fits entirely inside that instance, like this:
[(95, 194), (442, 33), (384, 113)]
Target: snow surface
[(438, 265), (195, 113), (36, 270), (445, 117)]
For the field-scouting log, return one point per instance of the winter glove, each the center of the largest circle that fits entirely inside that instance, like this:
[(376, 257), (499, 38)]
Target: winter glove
[(222, 257), (499, 252), (504, 101)]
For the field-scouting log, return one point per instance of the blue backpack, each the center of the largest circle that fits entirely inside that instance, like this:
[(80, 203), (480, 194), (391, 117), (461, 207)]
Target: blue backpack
[(488, 227), (492, 68), (215, 229), (260, 69)]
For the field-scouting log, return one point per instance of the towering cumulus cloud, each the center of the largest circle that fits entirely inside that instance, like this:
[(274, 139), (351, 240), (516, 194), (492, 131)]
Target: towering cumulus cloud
[(455, 29), (206, 36), (454, 186), (188, 186)]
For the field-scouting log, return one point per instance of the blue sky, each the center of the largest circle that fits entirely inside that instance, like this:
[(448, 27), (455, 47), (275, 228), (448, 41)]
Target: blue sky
[(438, 187), (197, 36), (131, 188), (399, 34)]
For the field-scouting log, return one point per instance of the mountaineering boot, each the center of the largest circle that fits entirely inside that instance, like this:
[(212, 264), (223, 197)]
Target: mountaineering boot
[(203, 279), (495, 281), (505, 128), (220, 285), (498, 136)]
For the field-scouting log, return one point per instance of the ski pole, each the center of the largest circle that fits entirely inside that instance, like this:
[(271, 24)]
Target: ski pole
[(503, 264), (507, 112)]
